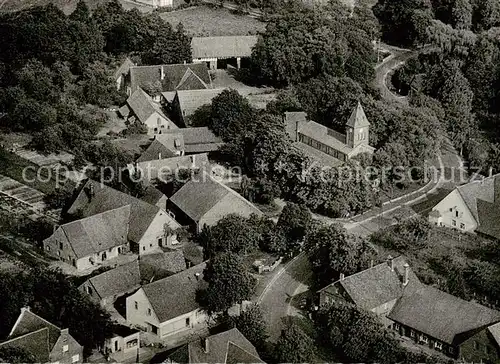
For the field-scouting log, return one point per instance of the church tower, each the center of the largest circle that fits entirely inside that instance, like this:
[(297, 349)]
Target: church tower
[(357, 128)]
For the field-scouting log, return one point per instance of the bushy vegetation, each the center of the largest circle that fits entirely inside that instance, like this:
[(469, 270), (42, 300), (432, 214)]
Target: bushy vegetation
[(54, 90)]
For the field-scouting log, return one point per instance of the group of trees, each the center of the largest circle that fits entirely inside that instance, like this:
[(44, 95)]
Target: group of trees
[(54, 89), (458, 68), (333, 251), (242, 235), (57, 299)]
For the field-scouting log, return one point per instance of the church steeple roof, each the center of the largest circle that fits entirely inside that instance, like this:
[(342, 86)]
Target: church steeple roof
[(358, 118)]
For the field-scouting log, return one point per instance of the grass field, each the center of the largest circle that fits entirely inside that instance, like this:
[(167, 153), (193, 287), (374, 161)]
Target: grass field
[(205, 21)]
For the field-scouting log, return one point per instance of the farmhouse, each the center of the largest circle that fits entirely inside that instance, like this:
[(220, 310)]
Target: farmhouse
[(219, 52), (328, 146), (92, 240), (169, 305), (226, 347), (169, 77), (474, 206), (204, 201), (141, 107), (46, 342), (146, 224), (460, 329), (181, 141)]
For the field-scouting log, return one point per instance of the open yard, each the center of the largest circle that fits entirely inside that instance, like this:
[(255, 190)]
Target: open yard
[(206, 21)]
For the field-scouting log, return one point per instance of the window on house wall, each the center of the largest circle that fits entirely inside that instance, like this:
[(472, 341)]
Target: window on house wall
[(149, 312), (462, 226), (48, 248), (65, 348), (89, 290), (131, 343), (476, 345), (450, 349), (451, 209), (396, 326), (454, 222), (160, 241), (456, 213), (188, 321), (136, 305), (412, 333), (438, 345), (143, 248), (424, 338), (75, 358), (61, 246)]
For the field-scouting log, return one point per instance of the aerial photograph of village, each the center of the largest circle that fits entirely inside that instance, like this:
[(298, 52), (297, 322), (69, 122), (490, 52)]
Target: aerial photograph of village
[(249, 181)]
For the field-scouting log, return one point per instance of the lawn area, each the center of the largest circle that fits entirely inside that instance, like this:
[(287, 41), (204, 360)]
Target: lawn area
[(11, 165), (206, 21)]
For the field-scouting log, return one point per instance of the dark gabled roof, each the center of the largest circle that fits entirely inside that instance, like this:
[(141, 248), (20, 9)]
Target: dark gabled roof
[(358, 118), (226, 347), (489, 218), (223, 46), (176, 76), (35, 343), (34, 334), (30, 322), (375, 286), (197, 197), (175, 295), (324, 135), (191, 140), (106, 198), (441, 315), (117, 281), (98, 232), (152, 195), (160, 265), (155, 150), (143, 106)]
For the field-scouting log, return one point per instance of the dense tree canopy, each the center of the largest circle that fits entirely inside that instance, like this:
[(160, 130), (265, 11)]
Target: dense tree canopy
[(54, 297), (294, 346), (228, 283)]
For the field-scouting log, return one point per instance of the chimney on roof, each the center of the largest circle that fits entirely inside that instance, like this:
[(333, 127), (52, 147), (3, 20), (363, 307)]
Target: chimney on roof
[(65, 331), (371, 263), (91, 192), (406, 277), (162, 73), (205, 344), (25, 308), (341, 277), (390, 262)]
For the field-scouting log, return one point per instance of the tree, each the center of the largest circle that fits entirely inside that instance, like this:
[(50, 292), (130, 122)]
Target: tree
[(332, 251), (252, 325), (81, 13), (462, 14), (294, 221), (401, 19), (232, 233), (97, 86), (16, 355), (302, 42), (294, 346), (228, 283)]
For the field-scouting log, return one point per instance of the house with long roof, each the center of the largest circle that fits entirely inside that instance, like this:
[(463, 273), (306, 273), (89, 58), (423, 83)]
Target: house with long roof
[(147, 223), (326, 145), (474, 206), (170, 77), (228, 347), (375, 289), (44, 341), (87, 242), (140, 107), (168, 306), (457, 328), (180, 142), (217, 52), (204, 201), (122, 73)]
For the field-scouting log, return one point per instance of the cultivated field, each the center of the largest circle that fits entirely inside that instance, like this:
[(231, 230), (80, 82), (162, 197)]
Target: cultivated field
[(206, 21)]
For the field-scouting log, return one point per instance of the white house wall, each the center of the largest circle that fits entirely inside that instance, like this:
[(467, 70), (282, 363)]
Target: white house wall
[(454, 201), (155, 231)]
